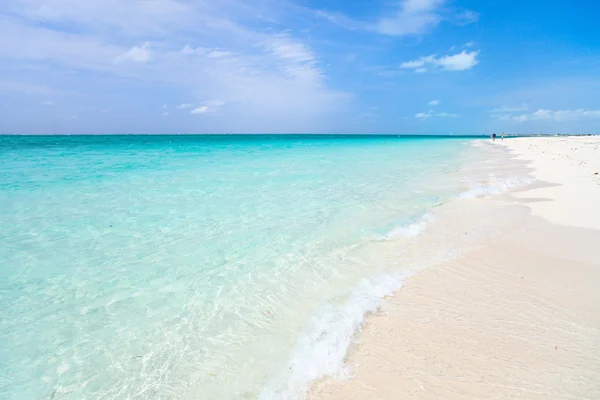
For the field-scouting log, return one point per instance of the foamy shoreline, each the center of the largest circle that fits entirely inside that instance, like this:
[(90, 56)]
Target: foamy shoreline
[(517, 315)]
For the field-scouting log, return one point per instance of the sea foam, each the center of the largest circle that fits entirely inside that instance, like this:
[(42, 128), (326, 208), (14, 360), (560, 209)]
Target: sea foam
[(409, 231), (323, 345), (495, 185)]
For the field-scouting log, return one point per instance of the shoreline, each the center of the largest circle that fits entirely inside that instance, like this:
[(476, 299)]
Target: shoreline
[(516, 314)]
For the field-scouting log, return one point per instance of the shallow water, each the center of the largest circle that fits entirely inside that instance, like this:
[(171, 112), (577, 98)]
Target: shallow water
[(201, 266)]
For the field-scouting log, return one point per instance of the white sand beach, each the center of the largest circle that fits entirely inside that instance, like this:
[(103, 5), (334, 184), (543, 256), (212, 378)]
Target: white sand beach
[(517, 315)]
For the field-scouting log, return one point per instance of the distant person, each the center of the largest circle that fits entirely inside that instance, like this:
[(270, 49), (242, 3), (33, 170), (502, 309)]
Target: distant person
[(493, 137), (502, 135)]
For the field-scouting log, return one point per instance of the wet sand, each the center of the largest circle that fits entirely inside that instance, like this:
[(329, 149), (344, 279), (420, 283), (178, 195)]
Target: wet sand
[(517, 314)]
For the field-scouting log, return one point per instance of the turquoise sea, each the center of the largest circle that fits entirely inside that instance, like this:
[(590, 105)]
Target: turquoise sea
[(201, 267)]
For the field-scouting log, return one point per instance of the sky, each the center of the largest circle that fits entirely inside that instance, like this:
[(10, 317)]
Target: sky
[(299, 66)]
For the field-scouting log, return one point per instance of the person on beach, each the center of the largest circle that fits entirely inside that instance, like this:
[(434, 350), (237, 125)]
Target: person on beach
[(493, 137), (502, 135)]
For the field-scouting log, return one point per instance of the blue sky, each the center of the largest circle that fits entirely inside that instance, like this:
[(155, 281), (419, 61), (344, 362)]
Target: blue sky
[(287, 66)]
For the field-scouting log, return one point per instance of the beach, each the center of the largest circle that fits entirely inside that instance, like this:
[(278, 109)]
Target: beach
[(514, 315)]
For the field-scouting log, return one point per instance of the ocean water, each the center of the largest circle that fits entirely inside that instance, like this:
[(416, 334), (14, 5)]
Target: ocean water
[(202, 267)]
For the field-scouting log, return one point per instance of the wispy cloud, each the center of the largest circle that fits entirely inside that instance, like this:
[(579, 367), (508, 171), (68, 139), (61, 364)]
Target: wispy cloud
[(412, 17), (405, 17), (417, 63), (22, 42), (210, 106), (200, 110), (210, 51), (431, 113), (552, 115), (137, 54), (457, 62), (131, 18), (27, 88), (445, 114), (184, 106), (434, 102), (467, 17), (367, 115), (510, 109), (342, 20), (206, 52)]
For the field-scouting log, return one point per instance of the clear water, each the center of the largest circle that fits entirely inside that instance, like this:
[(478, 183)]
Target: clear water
[(196, 267)]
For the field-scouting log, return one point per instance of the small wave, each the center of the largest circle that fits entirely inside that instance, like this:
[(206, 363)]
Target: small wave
[(322, 347), (409, 231), (496, 186)]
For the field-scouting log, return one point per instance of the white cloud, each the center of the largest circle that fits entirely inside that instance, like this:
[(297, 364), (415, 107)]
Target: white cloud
[(205, 52), (289, 49), (184, 106), (137, 54), (413, 64), (445, 114), (434, 102), (48, 103), (510, 109), (543, 114), (165, 106), (166, 114), (209, 106), (296, 60), (420, 70), (457, 62), (431, 113), (470, 44), (200, 110)]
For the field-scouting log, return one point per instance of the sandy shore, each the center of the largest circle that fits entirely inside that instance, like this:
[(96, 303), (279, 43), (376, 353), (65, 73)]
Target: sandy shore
[(517, 315), (571, 164)]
